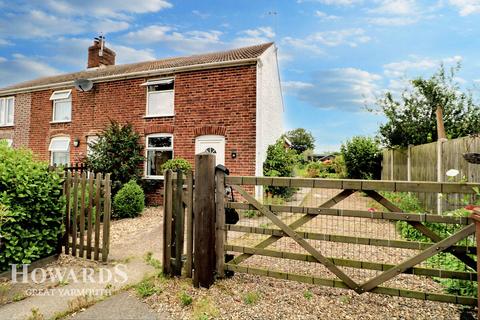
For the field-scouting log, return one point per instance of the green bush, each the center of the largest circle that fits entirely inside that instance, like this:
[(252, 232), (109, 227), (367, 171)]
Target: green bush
[(318, 169), (339, 166), (118, 151), (362, 157), (280, 162), (129, 202), (409, 203), (177, 164), (31, 206)]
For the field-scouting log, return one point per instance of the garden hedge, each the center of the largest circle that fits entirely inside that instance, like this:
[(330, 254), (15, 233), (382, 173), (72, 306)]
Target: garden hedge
[(31, 207)]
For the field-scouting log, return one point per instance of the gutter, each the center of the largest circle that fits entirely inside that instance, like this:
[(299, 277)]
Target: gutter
[(138, 74)]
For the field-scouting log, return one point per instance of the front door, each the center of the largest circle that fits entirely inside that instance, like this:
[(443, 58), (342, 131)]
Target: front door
[(212, 144)]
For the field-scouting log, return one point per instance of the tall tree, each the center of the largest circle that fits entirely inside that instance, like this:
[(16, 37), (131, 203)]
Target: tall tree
[(412, 118), (301, 139)]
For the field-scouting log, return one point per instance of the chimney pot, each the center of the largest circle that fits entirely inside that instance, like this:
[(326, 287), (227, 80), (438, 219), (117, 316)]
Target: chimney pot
[(99, 55)]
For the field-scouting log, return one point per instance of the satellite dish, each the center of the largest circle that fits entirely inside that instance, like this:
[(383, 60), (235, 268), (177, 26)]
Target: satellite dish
[(83, 85)]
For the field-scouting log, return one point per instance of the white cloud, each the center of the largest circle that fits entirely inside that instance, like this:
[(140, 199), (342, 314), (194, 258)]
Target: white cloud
[(396, 13), (186, 42), (129, 55), (325, 16), (37, 23), (107, 26), (21, 68), (348, 37), (396, 7), (466, 7), (4, 42), (296, 85), (254, 36), (72, 53), (107, 8), (200, 14), (344, 88), (416, 64)]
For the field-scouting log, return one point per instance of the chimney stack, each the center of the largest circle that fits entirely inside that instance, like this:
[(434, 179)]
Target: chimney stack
[(99, 55)]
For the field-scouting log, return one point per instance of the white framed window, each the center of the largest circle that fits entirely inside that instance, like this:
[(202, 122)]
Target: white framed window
[(9, 141), (59, 151), (159, 149), (62, 106), (91, 140), (160, 98), (6, 111)]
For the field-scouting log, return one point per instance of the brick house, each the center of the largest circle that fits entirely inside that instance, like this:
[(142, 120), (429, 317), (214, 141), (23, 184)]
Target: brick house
[(229, 103)]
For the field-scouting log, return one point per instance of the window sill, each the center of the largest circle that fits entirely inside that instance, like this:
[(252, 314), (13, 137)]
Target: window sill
[(159, 116), (55, 122), (6, 125), (154, 178)]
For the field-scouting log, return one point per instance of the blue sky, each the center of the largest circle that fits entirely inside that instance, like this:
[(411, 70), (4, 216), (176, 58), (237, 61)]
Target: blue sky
[(336, 56)]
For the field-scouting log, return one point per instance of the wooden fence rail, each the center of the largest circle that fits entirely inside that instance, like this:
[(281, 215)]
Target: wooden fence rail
[(283, 228)]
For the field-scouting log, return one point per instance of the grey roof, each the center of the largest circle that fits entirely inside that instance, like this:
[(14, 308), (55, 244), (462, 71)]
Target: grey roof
[(239, 54)]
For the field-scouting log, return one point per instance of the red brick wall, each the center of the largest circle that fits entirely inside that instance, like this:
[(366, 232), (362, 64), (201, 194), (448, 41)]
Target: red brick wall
[(219, 101)]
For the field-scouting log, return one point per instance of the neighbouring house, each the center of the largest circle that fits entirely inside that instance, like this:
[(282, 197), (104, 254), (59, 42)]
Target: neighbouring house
[(228, 103)]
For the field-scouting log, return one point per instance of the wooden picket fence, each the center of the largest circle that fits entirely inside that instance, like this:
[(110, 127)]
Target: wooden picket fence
[(87, 215)]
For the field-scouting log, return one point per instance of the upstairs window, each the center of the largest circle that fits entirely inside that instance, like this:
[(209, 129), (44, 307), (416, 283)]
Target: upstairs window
[(6, 111), (160, 98), (62, 106), (59, 151), (159, 150)]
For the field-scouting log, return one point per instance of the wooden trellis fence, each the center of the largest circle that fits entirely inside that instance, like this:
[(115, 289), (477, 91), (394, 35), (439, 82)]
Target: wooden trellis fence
[(286, 223)]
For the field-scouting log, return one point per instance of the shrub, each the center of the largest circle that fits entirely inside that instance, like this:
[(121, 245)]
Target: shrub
[(280, 162), (339, 167), (409, 203), (177, 164), (129, 202), (118, 151), (362, 157), (31, 204)]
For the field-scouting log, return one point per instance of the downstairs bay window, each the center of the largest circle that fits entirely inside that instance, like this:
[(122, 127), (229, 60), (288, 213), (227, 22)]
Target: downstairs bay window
[(59, 151), (159, 149)]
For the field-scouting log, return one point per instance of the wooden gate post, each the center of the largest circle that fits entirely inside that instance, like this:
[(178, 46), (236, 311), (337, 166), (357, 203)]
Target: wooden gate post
[(220, 223), (476, 217), (178, 224), (204, 209)]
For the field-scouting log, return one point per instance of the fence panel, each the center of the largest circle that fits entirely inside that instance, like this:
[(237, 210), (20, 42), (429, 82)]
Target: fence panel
[(87, 214), (426, 166)]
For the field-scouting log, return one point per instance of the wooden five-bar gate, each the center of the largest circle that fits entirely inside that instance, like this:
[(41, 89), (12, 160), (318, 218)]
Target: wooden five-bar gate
[(307, 235)]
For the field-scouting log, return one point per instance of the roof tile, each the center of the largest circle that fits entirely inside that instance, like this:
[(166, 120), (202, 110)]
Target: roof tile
[(216, 57)]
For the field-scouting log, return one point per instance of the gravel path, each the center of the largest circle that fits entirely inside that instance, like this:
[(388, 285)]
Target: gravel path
[(251, 297)]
